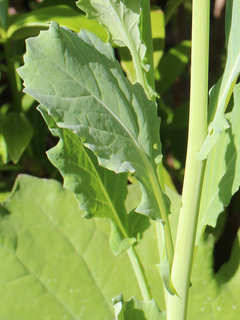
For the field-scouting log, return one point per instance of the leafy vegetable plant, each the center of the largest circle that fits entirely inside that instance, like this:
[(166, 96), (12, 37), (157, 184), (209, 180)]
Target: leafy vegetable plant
[(57, 265)]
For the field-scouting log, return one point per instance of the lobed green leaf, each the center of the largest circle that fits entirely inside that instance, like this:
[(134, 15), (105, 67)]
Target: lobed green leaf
[(81, 85)]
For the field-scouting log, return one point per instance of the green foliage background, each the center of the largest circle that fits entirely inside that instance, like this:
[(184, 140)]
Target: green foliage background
[(53, 259)]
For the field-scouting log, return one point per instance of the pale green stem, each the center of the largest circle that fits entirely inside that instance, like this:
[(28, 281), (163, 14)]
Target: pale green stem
[(158, 192), (167, 234), (166, 238), (139, 272), (160, 242), (147, 39), (184, 248), (137, 267)]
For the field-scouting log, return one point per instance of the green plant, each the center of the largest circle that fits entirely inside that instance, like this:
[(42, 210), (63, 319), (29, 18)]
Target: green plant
[(109, 154)]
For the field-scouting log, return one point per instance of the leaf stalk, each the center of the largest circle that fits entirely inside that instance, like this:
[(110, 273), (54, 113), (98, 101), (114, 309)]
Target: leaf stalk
[(158, 186), (139, 272)]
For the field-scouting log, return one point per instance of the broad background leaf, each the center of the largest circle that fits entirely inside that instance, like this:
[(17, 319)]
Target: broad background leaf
[(222, 173), (92, 98), (215, 296), (62, 263), (55, 261), (222, 91)]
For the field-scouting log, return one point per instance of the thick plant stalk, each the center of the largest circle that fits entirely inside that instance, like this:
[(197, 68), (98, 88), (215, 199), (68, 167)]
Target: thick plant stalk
[(184, 248)]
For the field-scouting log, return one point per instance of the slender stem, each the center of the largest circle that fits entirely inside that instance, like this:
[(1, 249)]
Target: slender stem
[(182, 262), (163, 238), (139, 272), (167, 232), (13, 77), (158, 192), (160, 243)]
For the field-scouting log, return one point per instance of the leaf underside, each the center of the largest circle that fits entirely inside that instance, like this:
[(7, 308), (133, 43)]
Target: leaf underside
[(81, 85)]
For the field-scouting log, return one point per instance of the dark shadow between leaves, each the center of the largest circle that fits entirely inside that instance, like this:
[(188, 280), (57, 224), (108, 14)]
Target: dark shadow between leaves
[(228, 270), (3, 211), (130, 311)]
